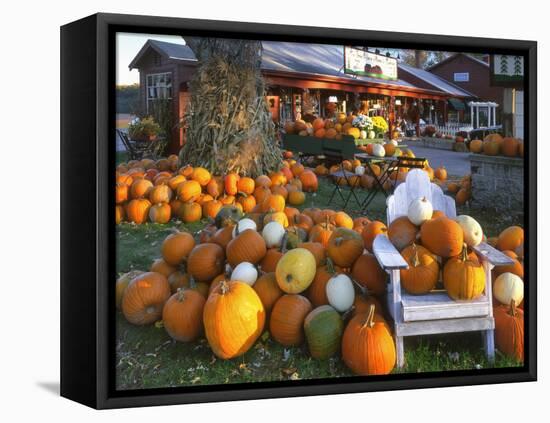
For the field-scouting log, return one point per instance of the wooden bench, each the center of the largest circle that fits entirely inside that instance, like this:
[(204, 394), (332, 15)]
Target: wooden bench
[(435, 312)]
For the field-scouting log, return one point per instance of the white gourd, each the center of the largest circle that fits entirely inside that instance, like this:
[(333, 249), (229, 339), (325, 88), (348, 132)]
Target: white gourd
[(243, 225), (245, 272), (340, 292), (363, 134), (508, 287), (378, 150), (273, 234), (473, 234), (359, 170), (419, 211)]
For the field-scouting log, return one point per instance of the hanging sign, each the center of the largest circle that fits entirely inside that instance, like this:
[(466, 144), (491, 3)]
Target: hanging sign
[(507, 69), (361, 62)]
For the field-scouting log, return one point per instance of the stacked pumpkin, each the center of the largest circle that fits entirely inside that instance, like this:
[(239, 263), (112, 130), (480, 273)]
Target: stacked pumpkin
[(334, 128), (242, 275), (158, 191), (462, 190), (495, 145)]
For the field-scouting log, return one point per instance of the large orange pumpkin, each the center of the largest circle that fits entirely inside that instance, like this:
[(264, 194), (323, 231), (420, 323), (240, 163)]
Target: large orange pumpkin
[(344, 247), (309, 180), (160, 213), (510, 147), (160, 194), (371, 231), (321, 233), (367, 345), (463, 277), (402, 232), (234, 318), (476, 146), (423, 272), (205, 261), (182, 315), (190, 212), (510, 238), (141, 188), (509, 330), (287, 319), (246, 185), (367, 272), (189, 191), (144, 298), (442, 236)]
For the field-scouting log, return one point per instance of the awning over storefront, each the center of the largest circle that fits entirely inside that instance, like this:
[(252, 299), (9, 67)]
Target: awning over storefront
[(457, 104)]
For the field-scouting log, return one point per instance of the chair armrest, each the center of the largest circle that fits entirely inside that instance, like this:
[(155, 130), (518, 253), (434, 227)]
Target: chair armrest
[(492, 255), (387, 255)]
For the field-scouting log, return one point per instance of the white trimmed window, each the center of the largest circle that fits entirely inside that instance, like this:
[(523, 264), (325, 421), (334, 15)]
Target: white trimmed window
[(159, 86), (461, 77)]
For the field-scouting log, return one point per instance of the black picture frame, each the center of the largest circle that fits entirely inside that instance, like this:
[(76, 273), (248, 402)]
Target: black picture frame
[(87, 211)]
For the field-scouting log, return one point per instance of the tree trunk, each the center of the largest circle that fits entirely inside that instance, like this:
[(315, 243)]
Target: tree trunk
[(229, 126)]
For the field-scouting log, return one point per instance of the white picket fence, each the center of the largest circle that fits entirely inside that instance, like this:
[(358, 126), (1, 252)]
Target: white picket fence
[(452, 128)]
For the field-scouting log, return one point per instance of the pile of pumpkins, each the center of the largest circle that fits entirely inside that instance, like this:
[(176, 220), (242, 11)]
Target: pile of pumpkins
[(331, 128), (495, 145), (435, 246), (461, 190), (158, 191), (313, 282)]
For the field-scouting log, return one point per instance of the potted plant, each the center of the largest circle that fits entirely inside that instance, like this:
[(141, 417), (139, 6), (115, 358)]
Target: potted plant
[(380, 126), (145, 129)]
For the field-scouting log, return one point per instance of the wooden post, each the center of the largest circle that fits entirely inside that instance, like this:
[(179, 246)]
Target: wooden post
[(445, 112), (391, 116), (417, 123)]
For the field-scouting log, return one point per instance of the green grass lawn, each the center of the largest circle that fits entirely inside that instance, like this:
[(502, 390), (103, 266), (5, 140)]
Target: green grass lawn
[(147, 357)]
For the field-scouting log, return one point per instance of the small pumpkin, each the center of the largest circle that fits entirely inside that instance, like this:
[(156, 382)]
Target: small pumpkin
[(122, 283), (463, 278), (228, 215), (423, 271), (268, 290), (160, 266), (205, 261), (371, 231), (507, 288), (160, 213), (510, 238), (402, 232), (321, 233), (234, 318), (287, 319), (509, 330), (323, 329), (419, 211), (366, 271), (248, 246), (144, 298), (317, 249), (362, 333), (138, 210), (473, 234), (182, 315), (244, 224), (344, 247), (340, 292), (245, 272), (160, 194), (190, 212), (273, 234), (296, 270), (176, 247), (309, 180), (189, 191)]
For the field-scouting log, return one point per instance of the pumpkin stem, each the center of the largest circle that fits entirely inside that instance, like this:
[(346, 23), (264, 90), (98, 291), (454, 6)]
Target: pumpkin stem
[(464, 253), (512, 311), (370, 317), (330, 266), (181, 295), (283, 243), (415, 259), (224, 287)]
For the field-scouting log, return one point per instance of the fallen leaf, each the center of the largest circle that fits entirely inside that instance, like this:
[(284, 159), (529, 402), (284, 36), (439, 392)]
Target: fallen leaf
[(290, 371)]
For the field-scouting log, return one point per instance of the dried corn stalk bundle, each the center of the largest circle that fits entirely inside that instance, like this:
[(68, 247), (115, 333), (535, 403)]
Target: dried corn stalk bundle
[(229, 126)]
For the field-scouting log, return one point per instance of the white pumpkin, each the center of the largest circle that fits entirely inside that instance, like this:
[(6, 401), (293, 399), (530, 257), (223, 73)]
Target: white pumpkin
[(243, 225), (359, 170), (394, 142), (378, 150), (245, 272), (273, 234), (473, 234), (508, 287), (371, 135), (340, 292), (309, 130), (419, 211), (363, 134)]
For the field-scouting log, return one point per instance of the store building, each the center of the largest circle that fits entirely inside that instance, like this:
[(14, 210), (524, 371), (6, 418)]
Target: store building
[(304, 79)]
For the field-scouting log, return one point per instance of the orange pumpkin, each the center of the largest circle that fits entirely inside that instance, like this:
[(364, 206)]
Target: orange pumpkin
[(402, 232), (248, 246), (190, 212), (509, 330), (371, 231), (280, 190), (367, 345), (359, 224), (463, 277), (144, 298), (510, 147), (120, 214), (262, 181), (317, 249), (160, 213), (182, 315), (274, 203), (321, 233), (268, 290), (296, 198), (234, 318), (423, 271), (510, 238), (205, 261), (309, 181), (476, 146), (138, 210), (121, 193), (287, 319), (211, 208), (160, 194), (344, 247), (367, 272), (230, 183), (246, 185), (141, 188), (317, 291), (441, 173), (189, 191), (516, 267), (442, 236), (222, 236)]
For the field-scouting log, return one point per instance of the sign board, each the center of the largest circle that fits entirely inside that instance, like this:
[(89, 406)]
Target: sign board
[(507, 70), (361, 62)]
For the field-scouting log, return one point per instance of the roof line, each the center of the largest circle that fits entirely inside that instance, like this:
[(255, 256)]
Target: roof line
[(469, 94), (452, 56), (148, 43)]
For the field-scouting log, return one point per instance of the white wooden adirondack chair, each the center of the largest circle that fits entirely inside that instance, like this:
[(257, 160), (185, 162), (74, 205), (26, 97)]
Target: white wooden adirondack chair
[(435, 312)]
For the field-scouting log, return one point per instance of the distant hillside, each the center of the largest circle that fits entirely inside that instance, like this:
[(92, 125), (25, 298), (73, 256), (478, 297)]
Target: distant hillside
[(127, 98)]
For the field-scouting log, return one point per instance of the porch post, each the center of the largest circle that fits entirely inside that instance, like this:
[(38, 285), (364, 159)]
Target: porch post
[(477, 116), (417, 123), (471, 114), (494, 115), (391, 116)]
